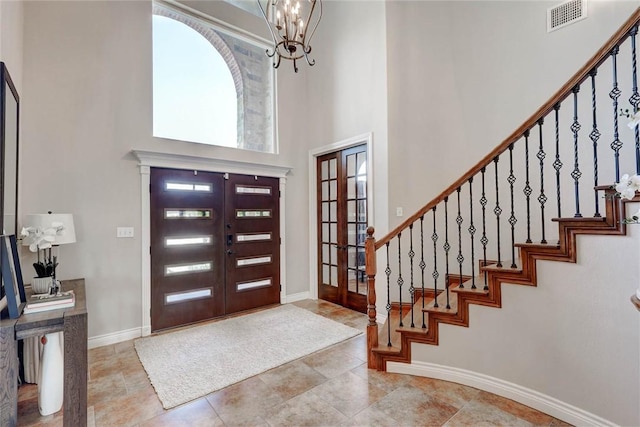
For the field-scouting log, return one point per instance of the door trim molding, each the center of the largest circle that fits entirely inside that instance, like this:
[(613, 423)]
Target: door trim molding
[(362, 139), (148, 159)]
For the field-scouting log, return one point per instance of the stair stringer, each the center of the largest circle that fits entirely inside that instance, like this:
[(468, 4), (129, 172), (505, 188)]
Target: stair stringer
[(526, 274)]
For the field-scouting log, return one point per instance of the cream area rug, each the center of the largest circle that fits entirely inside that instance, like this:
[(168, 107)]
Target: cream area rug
[(190, 363)]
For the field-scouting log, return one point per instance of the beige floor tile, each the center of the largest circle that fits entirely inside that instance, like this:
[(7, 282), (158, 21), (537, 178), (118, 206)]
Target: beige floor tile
[(105, 388), (305, 410), (198, 413), (332, 362), (456, 395), (477, 413), (292, 379), (100, 353), (514, 408), (372, 417), (128, 410), (244, 401), (348, 393), (410, 406), (384, 380)]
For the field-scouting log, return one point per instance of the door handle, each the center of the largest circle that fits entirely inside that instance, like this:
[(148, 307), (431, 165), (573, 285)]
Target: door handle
[(229, 252), (339, 247), (229, 239)]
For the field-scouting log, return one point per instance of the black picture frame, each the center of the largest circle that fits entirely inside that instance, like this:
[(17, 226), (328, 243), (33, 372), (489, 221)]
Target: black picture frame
[(11, 276), (9, 140)]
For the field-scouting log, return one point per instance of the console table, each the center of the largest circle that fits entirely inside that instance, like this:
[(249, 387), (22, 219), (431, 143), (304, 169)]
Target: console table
[(73, 322)]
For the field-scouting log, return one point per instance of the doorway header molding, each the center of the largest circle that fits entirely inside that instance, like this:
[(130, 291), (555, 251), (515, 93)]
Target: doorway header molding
[(209, 164)]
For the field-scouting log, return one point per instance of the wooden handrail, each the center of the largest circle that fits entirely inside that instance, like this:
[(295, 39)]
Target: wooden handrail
[(557, 98)]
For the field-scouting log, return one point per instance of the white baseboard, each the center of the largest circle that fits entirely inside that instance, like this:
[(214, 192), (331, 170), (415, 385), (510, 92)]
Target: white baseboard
[(531, 398), (296, 297), (114, 337)]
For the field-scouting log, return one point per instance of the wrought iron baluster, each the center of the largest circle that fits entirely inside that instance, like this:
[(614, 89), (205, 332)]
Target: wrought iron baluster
[(423, 265), (595, 136), (446, 247), (412, 254), (387, 271), (557, 164), (484, 240), (576, 174), (615, 93), (400, 279), (460, 258), (527, 187), (435, 273), (511, 179), (472, 232), (542, 199), (634, 100), (498, 211)]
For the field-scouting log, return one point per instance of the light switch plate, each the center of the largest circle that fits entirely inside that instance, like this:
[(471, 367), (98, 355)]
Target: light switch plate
[(126, 232)]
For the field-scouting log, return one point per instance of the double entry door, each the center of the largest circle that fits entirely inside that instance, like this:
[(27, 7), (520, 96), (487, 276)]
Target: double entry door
[(342, 227), (215, 245)]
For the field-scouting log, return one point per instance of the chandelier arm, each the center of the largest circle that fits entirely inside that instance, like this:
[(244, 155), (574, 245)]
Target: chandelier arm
[(273, 35), (307, 41), (311, 62), (276, 64)]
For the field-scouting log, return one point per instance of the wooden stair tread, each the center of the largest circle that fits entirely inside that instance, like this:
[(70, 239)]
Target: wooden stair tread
[(581, 219), (506, 268), (442, 304), (553, 246), (467, 289), (384, 349)]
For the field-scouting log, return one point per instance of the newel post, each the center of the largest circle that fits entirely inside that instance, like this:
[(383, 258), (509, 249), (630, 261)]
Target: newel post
[(370, 269)]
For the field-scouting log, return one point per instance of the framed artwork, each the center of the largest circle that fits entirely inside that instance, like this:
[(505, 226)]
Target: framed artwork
[(9, 124), (12, 283)]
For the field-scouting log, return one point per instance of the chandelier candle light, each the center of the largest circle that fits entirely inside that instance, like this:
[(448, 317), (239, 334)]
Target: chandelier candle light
[(288, 23)]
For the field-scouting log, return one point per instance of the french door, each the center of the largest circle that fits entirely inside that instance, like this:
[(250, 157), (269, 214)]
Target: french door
[(342, 224), (214, 245)]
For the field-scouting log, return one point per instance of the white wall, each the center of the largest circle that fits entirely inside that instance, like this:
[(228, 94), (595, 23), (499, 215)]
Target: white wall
[(11, 25), (86, 104)]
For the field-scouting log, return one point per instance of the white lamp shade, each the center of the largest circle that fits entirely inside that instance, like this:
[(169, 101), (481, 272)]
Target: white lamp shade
[(43, 221)]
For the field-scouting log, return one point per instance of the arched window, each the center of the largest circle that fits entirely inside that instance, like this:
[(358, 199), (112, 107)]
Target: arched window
[(201, 93)]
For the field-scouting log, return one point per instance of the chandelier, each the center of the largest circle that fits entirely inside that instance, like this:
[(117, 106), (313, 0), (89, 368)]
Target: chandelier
[(289, 24)]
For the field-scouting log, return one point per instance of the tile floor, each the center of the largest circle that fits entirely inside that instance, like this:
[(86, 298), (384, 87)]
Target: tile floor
[(332, 387)]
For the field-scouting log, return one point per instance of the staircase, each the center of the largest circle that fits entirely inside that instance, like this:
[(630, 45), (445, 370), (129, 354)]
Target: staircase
[(494, 223)]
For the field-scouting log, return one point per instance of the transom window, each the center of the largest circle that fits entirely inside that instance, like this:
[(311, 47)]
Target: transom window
[(209, 85)]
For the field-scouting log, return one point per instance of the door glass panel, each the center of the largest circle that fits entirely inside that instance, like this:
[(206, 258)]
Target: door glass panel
[(351, 234), (325, 274), (333, 169), (351, 188), (333, 191), (324, 170), (188, 186), (176, 297), (243, 286), (351, 257), (249, 261), (185, 241), (325, 232), (325, 211), (333, 228), (251, 189), (362, 163), (362, 189), (351, 211), (362, 210), (197, 267), (325, 253), (334, 254), (334, 276), (187, 213), (351, 165), (253, 237), (333, 211), (325, 190), (252, 213)]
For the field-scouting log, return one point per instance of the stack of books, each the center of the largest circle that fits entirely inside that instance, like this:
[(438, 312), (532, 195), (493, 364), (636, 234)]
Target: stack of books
[(45, 302)]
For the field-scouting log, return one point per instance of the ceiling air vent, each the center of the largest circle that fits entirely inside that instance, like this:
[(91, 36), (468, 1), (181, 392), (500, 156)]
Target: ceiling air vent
[(565, 14)]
